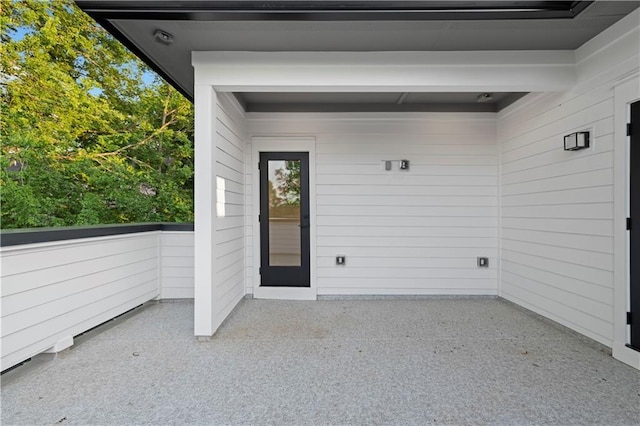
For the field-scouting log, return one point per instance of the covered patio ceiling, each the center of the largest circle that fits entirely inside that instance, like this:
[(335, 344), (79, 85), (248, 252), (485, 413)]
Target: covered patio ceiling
[(376, 102), (367, 26)]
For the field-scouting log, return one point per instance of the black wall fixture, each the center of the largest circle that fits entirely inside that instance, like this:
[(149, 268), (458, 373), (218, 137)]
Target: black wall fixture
[(576, 141)]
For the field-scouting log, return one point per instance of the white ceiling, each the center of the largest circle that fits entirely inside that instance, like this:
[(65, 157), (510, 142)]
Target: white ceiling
[(424, 35)]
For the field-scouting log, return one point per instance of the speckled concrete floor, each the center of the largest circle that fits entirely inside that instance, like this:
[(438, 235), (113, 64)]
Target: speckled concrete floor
[(336, 362)]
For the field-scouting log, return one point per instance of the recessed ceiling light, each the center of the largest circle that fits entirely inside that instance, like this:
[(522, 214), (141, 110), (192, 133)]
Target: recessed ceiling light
[(163, 37), (485, 97)]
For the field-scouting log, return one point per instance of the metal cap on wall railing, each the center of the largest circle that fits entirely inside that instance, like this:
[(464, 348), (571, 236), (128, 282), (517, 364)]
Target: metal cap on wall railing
[(14, 237)]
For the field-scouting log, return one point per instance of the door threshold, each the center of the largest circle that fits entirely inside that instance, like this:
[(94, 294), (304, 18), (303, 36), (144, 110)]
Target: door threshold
[(285, 293)]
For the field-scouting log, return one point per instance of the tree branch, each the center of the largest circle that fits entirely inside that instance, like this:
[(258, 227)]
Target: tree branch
[(133, 145)]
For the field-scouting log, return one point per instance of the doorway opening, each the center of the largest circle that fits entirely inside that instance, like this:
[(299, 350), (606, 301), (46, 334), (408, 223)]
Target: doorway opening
[(284, 219)]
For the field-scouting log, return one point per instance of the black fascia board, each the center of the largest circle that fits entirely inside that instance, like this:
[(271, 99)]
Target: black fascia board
[(321, 10), (14, 237)]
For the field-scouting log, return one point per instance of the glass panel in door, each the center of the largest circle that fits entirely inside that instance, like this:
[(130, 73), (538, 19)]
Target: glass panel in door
[(284, 213)]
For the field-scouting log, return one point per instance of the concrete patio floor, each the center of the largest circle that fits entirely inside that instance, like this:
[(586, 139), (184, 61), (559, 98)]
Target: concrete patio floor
[(424, 361)]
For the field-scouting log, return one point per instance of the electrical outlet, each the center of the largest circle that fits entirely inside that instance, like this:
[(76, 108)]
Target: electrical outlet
[(340, 259), (483, 262)]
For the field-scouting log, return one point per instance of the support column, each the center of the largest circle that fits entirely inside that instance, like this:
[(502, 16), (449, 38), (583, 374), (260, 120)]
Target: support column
[(205, 101)]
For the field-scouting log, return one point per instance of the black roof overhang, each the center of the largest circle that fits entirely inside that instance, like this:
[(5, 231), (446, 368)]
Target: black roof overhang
[(330, 10), (103, 11)]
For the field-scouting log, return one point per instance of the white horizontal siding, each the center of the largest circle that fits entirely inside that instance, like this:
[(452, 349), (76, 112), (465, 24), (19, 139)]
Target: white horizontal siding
[(557, 206), (52, 291), (176, 260), (229, 265), (403, 232)]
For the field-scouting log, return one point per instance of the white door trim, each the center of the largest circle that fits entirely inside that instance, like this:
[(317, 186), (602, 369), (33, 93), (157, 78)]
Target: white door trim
[(283, 144)]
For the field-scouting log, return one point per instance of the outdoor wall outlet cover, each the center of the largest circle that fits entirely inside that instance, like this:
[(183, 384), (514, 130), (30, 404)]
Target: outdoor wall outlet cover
[(483, 262), (340, 259)]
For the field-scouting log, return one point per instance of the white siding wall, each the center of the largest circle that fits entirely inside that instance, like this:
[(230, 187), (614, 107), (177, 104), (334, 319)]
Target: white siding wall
[(403, 232), (53, 291), (557, 207), (176, 262), (229, 238), (557, 211)]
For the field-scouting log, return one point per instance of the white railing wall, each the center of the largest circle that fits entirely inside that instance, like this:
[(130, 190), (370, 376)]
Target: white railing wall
[(176, 268), (54, 291)]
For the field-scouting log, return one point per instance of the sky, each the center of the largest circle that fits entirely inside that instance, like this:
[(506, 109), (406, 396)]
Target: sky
[(20, 32)]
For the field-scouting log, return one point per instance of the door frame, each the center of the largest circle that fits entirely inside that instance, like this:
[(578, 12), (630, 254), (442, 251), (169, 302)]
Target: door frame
[(633, 213), (626, 91), (284, 274), (282, 144)]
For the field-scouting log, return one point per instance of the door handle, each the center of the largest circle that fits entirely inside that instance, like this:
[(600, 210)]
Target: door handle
[(305, 221)]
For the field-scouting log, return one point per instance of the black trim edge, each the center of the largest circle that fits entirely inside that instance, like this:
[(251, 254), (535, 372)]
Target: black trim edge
[(15, 237), (331, 10)]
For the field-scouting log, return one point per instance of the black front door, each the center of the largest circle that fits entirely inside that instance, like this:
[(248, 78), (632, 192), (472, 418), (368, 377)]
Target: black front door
[(284, 219), (634, 236)]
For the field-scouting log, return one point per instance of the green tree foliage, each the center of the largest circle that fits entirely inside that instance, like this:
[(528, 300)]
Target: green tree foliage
[(84, 139), (284, 195), (288, 178)]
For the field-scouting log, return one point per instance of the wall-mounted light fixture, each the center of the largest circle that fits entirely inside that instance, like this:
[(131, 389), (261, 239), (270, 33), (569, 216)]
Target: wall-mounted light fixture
[(388, 165), (576, 141), (484, 97), (163, 37)]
